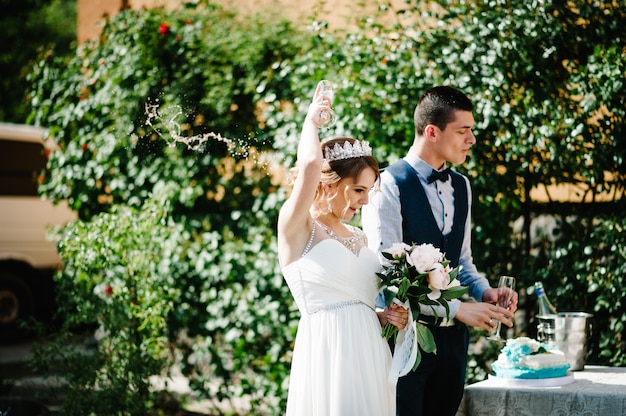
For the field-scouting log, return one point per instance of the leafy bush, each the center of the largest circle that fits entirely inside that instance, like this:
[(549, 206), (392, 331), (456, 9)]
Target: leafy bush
[(118, 273), (232, 319), (29, 26), (587, 271)]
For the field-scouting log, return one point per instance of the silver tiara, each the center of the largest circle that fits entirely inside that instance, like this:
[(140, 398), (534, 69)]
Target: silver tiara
[(347, 151)]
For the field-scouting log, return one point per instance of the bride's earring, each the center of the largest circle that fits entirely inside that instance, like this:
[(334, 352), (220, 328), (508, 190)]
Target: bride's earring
[(329, 206)]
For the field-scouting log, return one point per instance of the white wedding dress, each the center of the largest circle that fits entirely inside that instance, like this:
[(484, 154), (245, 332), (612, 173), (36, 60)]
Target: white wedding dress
[(341, 363)]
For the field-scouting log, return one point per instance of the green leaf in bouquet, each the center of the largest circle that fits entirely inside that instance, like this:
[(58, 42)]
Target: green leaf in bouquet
[(454, 273), (388, 256), (425, 338), (389, 295), (414, 274), (419, 282), (415, 311), (403, 288), (418, 359), (415, 306), (385, 279), (454, 292), (423, 300), (418, 290)]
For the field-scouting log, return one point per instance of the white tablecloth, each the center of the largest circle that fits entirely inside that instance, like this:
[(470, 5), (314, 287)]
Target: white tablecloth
[(596, 391)]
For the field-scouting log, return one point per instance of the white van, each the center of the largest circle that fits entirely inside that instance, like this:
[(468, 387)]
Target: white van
[(27, 258)]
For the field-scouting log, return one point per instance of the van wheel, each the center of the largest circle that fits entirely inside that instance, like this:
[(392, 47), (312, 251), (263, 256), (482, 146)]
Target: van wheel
[(16, 305)]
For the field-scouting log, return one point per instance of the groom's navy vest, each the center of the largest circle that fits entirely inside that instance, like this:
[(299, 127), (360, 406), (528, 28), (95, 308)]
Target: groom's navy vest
[(418, 223)]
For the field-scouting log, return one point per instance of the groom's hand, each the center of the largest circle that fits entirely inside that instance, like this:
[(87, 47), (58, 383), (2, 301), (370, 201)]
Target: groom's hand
[(484, 315)]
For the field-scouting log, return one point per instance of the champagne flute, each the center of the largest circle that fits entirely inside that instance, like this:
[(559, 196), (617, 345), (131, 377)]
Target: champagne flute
[(328, 91), (506, 289)]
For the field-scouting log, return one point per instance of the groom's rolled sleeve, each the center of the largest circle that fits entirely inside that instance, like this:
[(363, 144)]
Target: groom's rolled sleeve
[(382, 217)]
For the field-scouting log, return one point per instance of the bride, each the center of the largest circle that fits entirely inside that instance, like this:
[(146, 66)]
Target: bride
[(341, 363)]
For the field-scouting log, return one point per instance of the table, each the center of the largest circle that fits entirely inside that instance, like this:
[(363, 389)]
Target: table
[(596, 391)]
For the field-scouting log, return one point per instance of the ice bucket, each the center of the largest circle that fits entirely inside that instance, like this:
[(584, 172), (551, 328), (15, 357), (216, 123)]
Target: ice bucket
[(568, 332)]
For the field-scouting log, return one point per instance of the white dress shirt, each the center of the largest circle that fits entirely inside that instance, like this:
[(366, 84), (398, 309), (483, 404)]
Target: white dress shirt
[(382, 223)]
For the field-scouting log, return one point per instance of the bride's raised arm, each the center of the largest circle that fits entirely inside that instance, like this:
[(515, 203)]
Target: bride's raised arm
[(294, 220)]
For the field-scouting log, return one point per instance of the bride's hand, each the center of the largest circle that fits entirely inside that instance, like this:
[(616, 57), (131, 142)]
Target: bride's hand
[(320, 103), (397, 315)]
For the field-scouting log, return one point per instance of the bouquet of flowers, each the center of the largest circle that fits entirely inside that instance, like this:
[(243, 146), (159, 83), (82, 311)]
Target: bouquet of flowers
[(421, 275)]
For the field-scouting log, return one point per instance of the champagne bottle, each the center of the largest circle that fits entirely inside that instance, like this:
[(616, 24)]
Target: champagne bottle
[(545, 307)]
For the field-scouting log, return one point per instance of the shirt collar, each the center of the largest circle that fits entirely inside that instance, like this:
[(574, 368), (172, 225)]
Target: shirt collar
[(422, 168)]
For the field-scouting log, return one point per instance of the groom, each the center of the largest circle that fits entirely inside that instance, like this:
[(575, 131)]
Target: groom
[(422, 201)]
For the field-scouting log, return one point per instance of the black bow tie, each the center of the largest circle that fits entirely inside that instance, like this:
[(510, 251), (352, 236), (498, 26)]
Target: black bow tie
[(436, 175)]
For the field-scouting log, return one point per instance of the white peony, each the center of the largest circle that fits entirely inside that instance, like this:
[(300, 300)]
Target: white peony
[(439, 279), (424, 257), (398, 250)]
